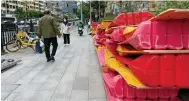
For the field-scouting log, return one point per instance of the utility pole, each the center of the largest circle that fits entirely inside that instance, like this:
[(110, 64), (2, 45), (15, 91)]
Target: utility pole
[(99, 10), (81, 11), (90, 13)]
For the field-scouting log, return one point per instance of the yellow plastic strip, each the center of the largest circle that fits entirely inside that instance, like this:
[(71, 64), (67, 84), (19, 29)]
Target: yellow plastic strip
[(124, 71)]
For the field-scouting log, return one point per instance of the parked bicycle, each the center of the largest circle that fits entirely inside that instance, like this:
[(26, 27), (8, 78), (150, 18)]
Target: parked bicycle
[(22, 40)]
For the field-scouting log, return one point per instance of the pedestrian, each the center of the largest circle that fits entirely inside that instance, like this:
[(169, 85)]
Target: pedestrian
[(65, 30), (89, 26), (49, 29)]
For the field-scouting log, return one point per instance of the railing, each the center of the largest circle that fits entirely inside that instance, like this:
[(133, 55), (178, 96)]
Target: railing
[(8, 32)]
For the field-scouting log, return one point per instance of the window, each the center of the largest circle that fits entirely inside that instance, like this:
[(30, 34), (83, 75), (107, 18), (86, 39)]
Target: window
[(3, 4), (14, 7)]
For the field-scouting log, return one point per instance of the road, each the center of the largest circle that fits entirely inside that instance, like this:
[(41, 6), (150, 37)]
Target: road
[(74, 76)]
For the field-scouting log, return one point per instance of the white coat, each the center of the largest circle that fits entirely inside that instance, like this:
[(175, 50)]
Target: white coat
[(64, 29)]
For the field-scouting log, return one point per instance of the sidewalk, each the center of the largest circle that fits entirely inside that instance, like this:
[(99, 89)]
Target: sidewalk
[(74, 76)]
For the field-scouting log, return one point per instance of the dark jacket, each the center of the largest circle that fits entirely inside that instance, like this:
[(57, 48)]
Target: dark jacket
[(48, 27)]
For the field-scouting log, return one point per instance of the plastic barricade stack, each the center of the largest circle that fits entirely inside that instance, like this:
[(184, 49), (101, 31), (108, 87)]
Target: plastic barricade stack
[(145, 57), (93, 27)]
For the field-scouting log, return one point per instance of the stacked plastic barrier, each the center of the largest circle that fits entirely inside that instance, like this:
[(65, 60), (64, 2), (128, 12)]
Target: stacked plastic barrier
[(93, 27), (142, 59)]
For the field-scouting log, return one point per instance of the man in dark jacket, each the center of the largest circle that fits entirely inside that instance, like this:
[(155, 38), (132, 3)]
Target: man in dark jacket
[(49, 29)]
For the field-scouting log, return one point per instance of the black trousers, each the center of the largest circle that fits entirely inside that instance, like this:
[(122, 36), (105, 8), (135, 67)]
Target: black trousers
[(66, 38), (48, 42)]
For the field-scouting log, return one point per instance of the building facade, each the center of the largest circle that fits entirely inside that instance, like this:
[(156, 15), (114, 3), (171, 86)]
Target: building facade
[(9, 6), (61, 7), (131, 6)]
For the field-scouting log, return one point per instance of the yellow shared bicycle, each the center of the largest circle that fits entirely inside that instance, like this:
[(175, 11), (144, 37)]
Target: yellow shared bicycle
[(21, 40)]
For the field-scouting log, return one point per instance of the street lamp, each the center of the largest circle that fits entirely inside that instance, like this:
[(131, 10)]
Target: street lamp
[(81, 11)]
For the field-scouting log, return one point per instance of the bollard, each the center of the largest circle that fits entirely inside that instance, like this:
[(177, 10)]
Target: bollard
[(37, 47)]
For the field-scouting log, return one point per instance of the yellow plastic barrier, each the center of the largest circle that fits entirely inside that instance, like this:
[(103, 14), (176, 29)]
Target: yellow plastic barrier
[(121, 50), (124, 71), (128, 32), (104, 24)]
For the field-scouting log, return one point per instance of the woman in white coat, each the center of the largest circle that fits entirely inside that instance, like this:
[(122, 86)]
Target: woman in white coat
[(65, 29)]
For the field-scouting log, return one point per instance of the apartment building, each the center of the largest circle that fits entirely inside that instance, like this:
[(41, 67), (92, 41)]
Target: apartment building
[(9, 6)]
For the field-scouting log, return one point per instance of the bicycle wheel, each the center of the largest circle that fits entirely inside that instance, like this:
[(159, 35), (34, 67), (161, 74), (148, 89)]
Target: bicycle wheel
[(34, 42), (13, 45)]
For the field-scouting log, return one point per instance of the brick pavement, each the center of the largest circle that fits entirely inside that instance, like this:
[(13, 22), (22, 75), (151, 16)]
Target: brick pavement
[(74, 76)]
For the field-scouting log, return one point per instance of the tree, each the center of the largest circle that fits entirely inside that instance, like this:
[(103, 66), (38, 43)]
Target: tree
[(173, 4), (85, 9), (20, 13), (95, 5), (34, 14)]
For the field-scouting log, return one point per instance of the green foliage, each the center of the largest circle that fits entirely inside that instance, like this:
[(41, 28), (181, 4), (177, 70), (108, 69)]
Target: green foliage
[(107, 18), (21, 14), (94, 5), (85, 9), (173, 5)]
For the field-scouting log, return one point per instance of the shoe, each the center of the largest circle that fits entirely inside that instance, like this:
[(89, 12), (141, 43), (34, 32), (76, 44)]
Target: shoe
[(52, 58), (48, 60), (64, 45)]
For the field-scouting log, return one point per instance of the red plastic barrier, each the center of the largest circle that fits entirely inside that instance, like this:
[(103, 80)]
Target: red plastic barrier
[(118, 88), (182, 70), (112, 46), (185, 34), (159, 40), (141, 37), (135, 18), (100, 54), (117, 35), (94, 24), (161, 70), (146, 69), (171, 34), (174, 34), (130, 19), (167, 70), (115, 84)]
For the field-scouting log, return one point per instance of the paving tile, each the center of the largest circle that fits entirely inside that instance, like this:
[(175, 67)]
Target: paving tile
[(26, 95), (27, 87), (60, 99), (40, 78), (65, 85), (17, 76), (95, 77), (51, 83), (83, 71), (39, 67), (68, 77), (96, 90), (11, 97), (44, 95), (81, 83), (78, 99), (98, 99), (8, 88), (61, 94), (28, 77), (79, 94), (4, 95)]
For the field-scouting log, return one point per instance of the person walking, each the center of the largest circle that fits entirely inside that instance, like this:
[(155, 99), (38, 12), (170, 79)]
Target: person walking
[(89, 26), (48, 28), (65, 30)]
